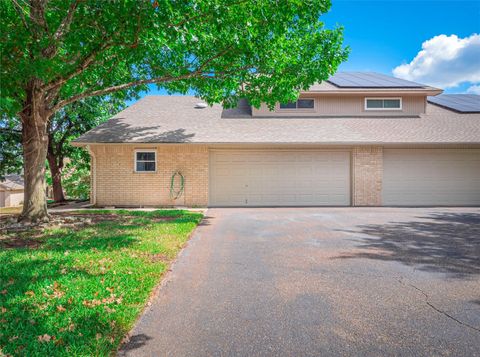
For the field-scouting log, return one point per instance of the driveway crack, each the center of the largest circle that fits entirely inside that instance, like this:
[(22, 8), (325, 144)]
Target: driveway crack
[(432, 306)]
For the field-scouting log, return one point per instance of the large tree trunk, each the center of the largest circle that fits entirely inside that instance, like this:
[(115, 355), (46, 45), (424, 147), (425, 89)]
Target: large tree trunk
[(34, 117), (56, 172)]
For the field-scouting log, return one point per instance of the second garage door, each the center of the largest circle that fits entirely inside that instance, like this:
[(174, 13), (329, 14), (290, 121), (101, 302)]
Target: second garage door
[(279, 178), (431, 177)]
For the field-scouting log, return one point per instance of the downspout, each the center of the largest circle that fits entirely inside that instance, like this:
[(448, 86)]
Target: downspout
[(93, 176)]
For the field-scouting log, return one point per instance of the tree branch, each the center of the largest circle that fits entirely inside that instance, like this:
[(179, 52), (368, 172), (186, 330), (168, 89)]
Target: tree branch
[(20, 11), (64, 137), (116, 88), (203, 15), (85, 63), (66, 22)]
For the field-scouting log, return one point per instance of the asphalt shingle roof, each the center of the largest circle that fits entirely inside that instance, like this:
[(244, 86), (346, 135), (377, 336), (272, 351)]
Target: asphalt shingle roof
[(12, 182), (174, 119)]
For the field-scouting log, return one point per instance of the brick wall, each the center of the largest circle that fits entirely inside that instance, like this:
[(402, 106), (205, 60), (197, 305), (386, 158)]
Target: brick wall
[(367, 173), (116, 182)]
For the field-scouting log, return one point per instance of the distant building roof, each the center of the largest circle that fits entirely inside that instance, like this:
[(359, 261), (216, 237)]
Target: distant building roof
[(462, 103), (12, 182), (174, 119)]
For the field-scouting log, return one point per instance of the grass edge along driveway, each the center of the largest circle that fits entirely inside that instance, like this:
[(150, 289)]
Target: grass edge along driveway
[(78, 291)]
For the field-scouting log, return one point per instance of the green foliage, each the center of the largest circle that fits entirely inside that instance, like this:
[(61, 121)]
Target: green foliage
[(10, 146), (77, 118), (77, 292), (76, 180), (75, 174), (262, 50), (66, 125)]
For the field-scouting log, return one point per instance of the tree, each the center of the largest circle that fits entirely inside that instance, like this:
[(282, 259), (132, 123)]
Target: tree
[(64, 126), (75, 176), (10, 146), (56, 52), (69, 123)]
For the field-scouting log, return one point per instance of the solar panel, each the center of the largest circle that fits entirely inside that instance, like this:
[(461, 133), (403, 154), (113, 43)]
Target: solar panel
[(370, 80), (462, 103)]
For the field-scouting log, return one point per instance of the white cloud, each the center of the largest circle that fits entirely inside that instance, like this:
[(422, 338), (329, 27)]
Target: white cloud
[(444, 61), (474, 89)]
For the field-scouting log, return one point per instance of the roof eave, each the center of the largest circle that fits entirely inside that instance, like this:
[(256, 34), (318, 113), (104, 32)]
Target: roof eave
[(326, 143), (377, 91), (79, 144)]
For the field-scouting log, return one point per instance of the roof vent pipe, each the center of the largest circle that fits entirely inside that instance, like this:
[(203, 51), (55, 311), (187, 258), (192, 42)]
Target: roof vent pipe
[(200, 105)]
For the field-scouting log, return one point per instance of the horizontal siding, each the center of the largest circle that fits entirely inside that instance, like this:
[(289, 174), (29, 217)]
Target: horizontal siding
[(351, 105)]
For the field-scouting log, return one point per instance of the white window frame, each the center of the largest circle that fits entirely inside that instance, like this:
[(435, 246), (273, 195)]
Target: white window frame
[(383, 98), (135, 161), (300, 109)]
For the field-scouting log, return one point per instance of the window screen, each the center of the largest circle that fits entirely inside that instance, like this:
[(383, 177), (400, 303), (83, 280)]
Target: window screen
[(391, 103), (305, 103), (145, 161), (299, 104), (383, 104), (289, 105)]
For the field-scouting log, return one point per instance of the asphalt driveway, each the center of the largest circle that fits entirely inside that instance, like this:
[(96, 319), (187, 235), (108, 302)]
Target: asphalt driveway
[(321, 282)]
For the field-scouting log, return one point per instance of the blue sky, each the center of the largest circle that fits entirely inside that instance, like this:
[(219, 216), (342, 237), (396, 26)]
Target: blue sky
[(384, 34)]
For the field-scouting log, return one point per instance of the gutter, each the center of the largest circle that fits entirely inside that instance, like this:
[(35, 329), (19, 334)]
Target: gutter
[(306, 143), (93, 175)]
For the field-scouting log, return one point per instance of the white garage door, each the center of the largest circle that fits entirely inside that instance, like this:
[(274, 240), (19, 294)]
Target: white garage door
[(279, 178), (431, 177)]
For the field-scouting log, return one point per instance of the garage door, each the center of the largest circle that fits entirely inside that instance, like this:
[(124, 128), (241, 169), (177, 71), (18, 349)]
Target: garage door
[(279, 178), (431, 177)]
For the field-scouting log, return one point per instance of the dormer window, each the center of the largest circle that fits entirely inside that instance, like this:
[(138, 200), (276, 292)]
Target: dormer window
[(299, 104), (383, 103)]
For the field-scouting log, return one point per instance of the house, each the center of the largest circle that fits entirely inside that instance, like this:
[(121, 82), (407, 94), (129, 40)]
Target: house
[(358, 139), (11, 191)]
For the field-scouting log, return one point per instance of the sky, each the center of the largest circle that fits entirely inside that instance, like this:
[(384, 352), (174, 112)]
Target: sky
[(386, 34), (433, 42)]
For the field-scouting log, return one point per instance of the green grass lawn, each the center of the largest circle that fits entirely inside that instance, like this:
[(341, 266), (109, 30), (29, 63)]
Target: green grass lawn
[(78, 291)]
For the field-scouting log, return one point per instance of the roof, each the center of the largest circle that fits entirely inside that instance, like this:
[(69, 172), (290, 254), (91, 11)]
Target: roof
[(462, 103), (370, 80), (12, 182), (174, 119)]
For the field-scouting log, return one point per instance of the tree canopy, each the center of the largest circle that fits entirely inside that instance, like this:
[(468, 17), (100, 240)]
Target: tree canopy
[(262, 50), (57, 52)]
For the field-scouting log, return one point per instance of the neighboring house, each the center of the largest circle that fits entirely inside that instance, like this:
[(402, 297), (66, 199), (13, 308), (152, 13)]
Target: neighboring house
[(11, 191), (358, 139)]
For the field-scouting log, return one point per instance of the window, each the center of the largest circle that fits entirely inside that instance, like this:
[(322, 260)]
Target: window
[(383, 103), (145, 161), (299, 104)]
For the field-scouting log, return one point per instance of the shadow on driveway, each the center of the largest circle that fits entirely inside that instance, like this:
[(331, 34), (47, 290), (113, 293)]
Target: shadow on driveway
[(440, 242)]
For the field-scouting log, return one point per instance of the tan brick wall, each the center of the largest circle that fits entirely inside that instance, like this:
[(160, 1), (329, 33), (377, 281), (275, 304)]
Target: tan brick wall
[(367, 173), (116, 182)]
